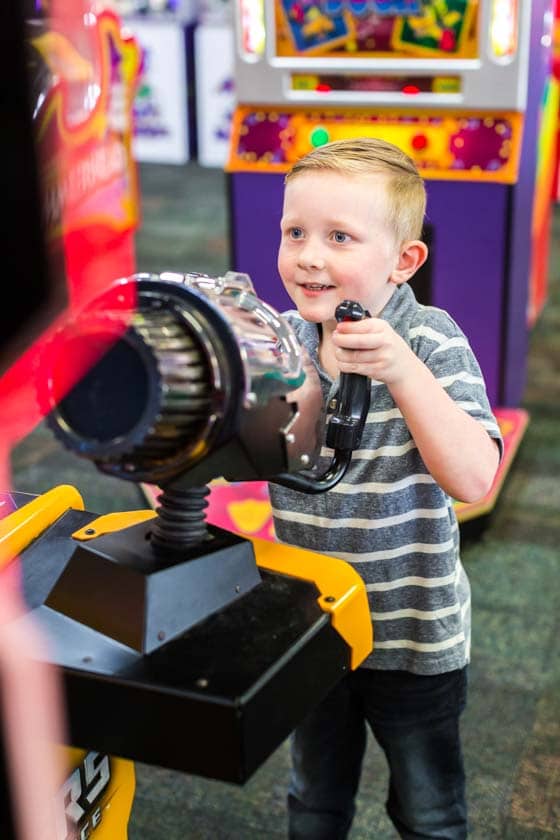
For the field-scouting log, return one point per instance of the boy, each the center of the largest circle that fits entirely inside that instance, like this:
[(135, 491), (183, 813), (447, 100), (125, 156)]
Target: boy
[(351, 225)]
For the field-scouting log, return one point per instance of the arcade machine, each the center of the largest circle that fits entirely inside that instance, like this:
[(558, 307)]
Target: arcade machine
[(65, 83), (81, 74), (177, 643), (182, 644), (464, 87)]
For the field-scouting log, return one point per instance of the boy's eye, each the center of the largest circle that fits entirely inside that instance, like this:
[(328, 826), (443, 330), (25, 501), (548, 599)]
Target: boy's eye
[(295, 233), (339, 236)]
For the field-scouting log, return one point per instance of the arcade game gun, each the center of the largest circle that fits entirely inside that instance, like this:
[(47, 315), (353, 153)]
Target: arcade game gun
[(181, 644), (176, 643)]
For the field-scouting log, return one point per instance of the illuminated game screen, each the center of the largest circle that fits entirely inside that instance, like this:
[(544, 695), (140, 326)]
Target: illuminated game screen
[(377, 28)]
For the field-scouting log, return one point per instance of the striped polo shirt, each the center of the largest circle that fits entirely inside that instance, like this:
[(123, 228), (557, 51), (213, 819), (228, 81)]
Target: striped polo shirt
[(388, 518)]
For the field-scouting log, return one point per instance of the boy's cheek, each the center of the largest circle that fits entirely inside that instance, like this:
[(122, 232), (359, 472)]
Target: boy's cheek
[(282, 265), (285, 269)]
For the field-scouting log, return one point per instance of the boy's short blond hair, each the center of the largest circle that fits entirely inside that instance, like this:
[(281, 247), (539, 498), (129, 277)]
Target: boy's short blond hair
[(367, 156)]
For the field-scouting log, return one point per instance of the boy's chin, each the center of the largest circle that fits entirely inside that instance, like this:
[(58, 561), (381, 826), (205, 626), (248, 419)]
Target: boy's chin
[(318, 318), (313, 314), (314, 309)]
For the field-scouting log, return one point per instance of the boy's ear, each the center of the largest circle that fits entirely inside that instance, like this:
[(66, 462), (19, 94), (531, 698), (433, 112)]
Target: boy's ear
[(413, 254)]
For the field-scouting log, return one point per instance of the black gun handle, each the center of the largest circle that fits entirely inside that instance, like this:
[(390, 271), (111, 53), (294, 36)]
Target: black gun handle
[(345, 427)]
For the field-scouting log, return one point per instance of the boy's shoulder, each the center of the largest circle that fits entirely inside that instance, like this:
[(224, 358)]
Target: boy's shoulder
[(302, 328), (292, 315), (408, 316), (436, 318)]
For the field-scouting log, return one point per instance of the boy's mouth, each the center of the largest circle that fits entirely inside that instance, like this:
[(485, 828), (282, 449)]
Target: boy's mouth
[(316, 287)]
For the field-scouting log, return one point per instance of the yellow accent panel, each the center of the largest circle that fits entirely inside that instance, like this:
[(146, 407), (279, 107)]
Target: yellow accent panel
[(20, 528), (114, 805), (111, 522), (349, 611)]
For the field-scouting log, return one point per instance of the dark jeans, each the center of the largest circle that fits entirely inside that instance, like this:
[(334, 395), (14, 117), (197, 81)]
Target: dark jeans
[(415, 719)]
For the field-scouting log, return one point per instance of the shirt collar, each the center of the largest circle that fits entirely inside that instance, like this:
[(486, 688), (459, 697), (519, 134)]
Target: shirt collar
[(398, 307), (394, 312)]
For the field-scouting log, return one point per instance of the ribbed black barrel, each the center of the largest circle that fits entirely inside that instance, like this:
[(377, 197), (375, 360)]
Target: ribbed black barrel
[(146, 399)]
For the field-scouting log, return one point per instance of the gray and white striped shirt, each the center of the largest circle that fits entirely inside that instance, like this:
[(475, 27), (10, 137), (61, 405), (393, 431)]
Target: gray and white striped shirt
[(388, 518)]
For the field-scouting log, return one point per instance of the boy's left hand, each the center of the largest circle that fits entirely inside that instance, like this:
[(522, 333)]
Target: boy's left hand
[(372, 348)]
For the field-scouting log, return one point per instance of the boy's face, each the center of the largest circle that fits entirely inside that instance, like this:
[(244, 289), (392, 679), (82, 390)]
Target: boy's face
[(336, 243)]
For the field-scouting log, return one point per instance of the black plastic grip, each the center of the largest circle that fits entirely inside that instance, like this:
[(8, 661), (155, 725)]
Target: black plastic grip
[(350, 310), (345, 427)]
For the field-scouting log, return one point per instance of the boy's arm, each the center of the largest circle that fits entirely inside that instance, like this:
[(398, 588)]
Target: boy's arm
[(457, 450)]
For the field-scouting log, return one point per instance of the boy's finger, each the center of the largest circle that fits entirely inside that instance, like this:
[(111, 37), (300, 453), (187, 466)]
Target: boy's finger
[(364, 326), (367, 341)]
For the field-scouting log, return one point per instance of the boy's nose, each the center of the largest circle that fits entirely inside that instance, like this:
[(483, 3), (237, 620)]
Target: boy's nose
[(310, 256)]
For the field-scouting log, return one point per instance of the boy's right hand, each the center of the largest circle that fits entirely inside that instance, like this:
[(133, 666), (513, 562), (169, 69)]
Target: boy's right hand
[(371, 347)]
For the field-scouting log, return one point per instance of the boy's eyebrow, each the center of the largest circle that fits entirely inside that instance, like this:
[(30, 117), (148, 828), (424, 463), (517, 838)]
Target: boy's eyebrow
[(335, 223)]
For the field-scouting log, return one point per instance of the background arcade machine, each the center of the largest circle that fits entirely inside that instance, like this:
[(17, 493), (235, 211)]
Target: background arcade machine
[(465, 88), (177, 643), (81, 72)]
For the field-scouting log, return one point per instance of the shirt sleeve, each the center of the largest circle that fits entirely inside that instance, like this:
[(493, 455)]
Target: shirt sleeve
[(445, 350)]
